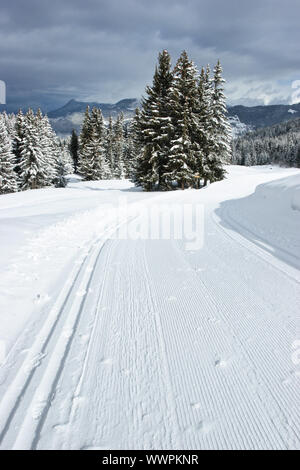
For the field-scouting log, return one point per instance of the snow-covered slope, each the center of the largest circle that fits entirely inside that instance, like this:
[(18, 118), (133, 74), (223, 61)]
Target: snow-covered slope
[(269, 217), (111, 343), (238, 127), (283, 194)]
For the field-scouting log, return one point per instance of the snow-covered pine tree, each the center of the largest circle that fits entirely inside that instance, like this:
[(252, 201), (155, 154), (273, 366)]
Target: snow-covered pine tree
[(182, 153), (49, 145), (142, 166), (74, 147), (204, 136), (154, 128), (183, 105), (10, 122), (67, 157), (97, 167), (8, 177), (94, 165), (130, 150), (19, 136), (63, 165), (222, 130), (33, 166), (108, 145), (118, 147), (84, 138)]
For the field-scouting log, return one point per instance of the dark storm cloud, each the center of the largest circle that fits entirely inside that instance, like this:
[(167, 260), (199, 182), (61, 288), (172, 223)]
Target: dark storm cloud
[(105, 50)]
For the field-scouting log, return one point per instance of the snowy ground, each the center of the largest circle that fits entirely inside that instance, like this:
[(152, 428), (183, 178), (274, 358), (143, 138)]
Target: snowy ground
[(144, 344)]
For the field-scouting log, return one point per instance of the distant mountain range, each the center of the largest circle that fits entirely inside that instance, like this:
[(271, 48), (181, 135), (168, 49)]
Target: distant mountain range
[(263, 116), (70, 116), (242, 118)]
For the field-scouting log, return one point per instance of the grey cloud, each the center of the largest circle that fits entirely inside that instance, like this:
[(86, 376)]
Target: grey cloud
[(106, 50)]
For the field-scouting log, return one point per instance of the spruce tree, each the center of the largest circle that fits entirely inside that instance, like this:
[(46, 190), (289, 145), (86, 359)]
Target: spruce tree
[(85, 136), (74, 146), (118, 148), (8, 182), (130, 149), (154, 128), (19, 136), (205, 134), (108, 145), (63, 165), (49, 144), (184, 105), (34, 168), (93, 163), (182, 153), (221, 130)]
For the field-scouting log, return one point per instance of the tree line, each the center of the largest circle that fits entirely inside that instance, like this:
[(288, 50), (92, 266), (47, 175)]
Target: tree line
[(182, 132), (31, 155), (278, 144), (180, 137), (103, 151)]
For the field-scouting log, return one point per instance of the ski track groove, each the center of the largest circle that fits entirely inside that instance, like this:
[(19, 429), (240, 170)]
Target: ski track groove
[(164, 358), (10, 402), (266, 376), (141, 358), (268, 373), (203, 376), (269, 428)]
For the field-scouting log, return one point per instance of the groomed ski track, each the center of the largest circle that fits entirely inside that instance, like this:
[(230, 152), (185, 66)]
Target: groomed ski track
[(150, 346)]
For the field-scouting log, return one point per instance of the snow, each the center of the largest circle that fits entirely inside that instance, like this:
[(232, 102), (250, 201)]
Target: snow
[(292, 111), (238, 128), (145, 344)]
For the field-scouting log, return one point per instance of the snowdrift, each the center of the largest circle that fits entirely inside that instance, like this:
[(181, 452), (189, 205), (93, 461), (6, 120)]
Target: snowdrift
[(284, 193), (269, 218)]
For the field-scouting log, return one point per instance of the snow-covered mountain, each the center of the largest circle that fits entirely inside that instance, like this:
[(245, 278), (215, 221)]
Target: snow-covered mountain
[(238, 128), (70, 116), (264, 116), (242, 118)]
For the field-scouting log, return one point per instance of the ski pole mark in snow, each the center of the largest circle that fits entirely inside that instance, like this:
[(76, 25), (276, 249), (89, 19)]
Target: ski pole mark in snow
[(11, 400)]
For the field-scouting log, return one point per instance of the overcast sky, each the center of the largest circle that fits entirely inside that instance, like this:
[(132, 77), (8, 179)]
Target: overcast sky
[(105, 50)]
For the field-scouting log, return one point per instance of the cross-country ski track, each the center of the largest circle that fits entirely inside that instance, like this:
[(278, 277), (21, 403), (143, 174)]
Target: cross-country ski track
[(148, 345)]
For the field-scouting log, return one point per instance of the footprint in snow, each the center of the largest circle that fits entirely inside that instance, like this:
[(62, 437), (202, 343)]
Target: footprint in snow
[(220, 363), (196, 406), (106, 361), (41, 298), (171, 299), (205, 426)]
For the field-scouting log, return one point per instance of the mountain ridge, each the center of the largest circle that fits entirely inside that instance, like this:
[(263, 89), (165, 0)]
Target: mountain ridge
[(242, 118)]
